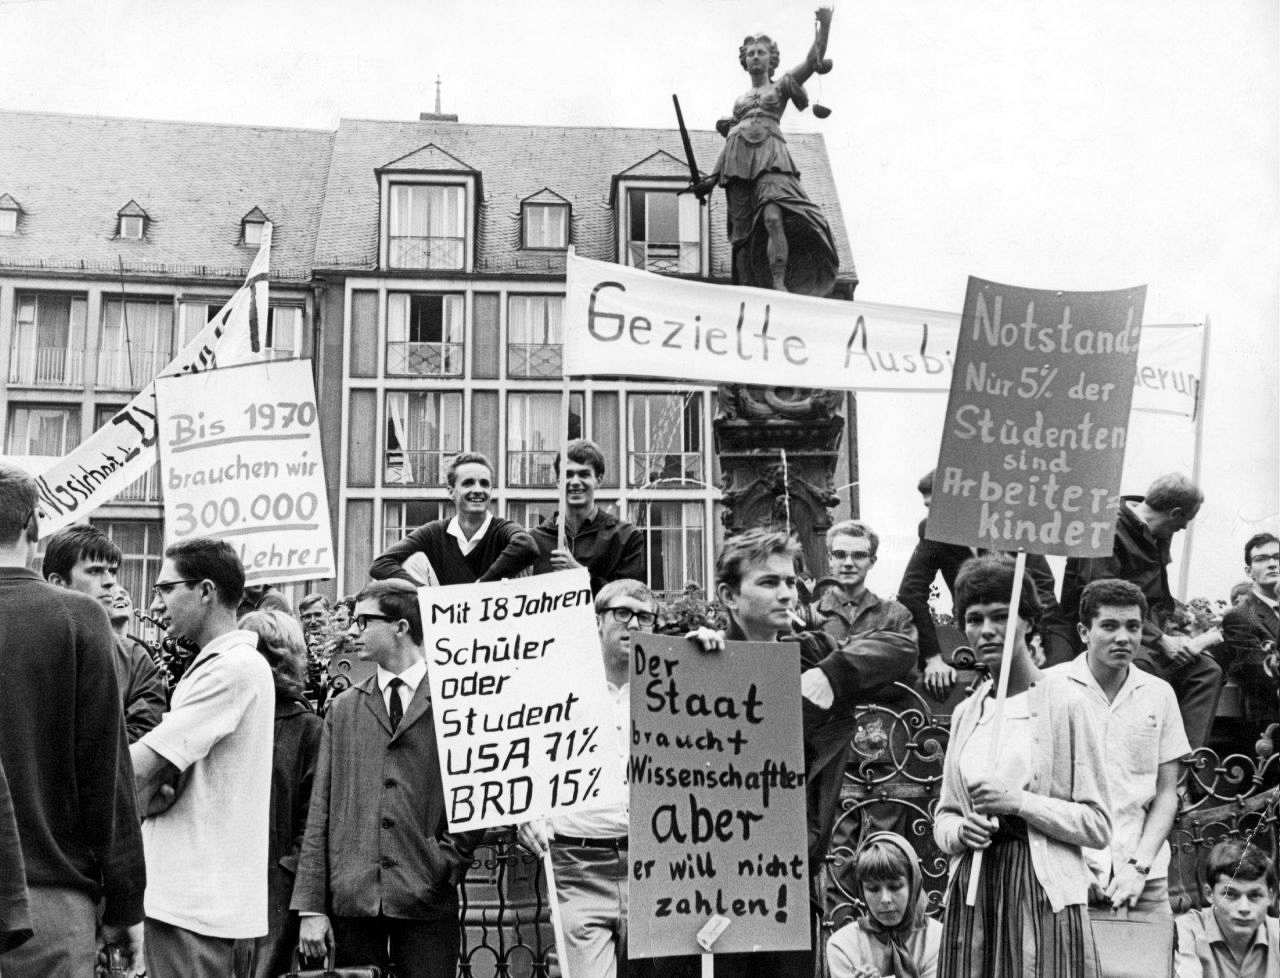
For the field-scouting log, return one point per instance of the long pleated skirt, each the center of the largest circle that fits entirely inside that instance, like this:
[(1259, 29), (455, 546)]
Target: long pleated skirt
[(1012, 931)]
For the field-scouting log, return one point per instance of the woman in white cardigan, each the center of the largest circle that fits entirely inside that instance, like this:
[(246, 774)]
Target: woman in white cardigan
[(1029, 808)]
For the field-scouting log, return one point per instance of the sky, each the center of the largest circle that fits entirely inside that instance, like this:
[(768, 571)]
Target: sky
[(1095, 145)]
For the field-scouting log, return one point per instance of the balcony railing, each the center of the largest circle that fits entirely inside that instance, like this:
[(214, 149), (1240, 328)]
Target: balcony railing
[(535, 468), (118, 370), (427, 252), (416, 467), (424, 359), (664, 259), (535, 360), (46, 365), (144, 490), (665, 468)]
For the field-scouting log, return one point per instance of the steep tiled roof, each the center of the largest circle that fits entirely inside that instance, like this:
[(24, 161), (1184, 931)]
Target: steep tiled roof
[(516, 162), (195, 180)]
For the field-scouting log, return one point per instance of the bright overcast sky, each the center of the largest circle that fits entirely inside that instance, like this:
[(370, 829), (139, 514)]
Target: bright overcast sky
[(1091, 145)]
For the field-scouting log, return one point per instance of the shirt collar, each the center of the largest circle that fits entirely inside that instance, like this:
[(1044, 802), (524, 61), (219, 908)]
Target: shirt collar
[(1213, 933), (411, 677), (1273, 605), (454, 529), (1079, 670)]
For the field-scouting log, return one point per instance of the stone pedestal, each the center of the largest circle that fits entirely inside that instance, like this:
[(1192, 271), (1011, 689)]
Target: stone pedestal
[(759, 489)]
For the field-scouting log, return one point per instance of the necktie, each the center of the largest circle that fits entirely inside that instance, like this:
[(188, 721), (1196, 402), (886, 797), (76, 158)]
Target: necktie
[(396, 709)]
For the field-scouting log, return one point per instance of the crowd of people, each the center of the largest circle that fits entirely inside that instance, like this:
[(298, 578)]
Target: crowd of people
[(213, 803)]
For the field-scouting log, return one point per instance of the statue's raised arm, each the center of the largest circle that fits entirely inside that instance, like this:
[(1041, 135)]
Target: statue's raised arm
[(815, 61)]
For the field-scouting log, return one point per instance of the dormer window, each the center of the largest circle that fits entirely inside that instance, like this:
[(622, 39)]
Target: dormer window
[(251, 226), (661, 227), (9, 211), (131, 222), (429, 211), (544, 218)]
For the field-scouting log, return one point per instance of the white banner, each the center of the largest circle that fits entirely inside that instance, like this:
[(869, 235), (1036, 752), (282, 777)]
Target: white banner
[(621, 321), (521, 709), (124, 449), (240, 460)]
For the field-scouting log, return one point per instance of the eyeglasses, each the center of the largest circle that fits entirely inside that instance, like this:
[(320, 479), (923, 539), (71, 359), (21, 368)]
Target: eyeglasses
[(362, 621), (1264, 558), (850, 554), (161, 588), (625, 616)]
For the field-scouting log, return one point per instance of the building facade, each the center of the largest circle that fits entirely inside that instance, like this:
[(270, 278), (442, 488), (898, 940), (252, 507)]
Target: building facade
[(420, 264)]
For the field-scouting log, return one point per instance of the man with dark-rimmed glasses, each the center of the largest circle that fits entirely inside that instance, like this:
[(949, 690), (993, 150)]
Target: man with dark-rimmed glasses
[(204, 776), (63, 749)]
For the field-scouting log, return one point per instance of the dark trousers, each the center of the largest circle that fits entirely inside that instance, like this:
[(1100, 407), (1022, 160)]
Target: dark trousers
[(418, 948), (1197, 684), (175, 952)]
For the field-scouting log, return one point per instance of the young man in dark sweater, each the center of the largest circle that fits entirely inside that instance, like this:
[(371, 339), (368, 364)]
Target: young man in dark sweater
[(63, 748), (474, 545)]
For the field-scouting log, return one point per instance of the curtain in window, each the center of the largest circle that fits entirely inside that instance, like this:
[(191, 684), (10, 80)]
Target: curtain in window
[(42, 431), (673, 538)]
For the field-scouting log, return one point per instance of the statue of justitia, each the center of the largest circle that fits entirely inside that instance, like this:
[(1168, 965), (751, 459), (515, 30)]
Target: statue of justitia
[(780, 238)]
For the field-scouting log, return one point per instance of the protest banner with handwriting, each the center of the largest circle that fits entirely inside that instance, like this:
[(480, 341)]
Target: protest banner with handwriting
[(519, 700), (717, 798), (624, 321), (240, 460), (1037, 421), (124, 449)]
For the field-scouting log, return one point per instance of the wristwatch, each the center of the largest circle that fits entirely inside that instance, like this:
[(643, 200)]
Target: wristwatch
[(1144, 870)]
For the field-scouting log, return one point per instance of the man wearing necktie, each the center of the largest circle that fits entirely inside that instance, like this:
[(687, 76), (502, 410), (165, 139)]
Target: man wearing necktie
[(378, 871)]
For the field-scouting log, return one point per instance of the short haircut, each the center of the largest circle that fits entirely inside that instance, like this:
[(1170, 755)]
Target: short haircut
[(1257, 540), (69, 546), (1112, 592), (208, 558), (584, 452), (310, 599), (396, 598), (347, 601), (881, 861), (18, 496), (989, 580), (753, 546), (854, 528), (466, 458), (925, 485), (1173, 491), (281, 643), (1239, 860), (1241, 588), (624, 587)]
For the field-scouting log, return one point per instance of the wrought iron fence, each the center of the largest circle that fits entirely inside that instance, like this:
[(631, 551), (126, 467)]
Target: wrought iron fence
[(536, 360), (406, 359)]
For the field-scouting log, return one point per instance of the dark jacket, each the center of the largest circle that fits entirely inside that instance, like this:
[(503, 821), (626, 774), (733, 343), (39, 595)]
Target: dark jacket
[(143, 693), (293, 768), (15, 920), (928, 559), (1246, 631), (377, 839), (63, 746), (504, 551), (875, 638), (609, 548), (1136, 557)]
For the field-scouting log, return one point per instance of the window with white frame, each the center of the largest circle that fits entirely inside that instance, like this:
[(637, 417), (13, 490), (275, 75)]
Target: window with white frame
[(674, 537), (132, 227), (193, 316), (422, 434), (136, 341), (48, 339), (535, 336), (144, 489), (427, 226), (42, 430), (425, 334), (282, 339), (8, 221), (253, 232), (399, 516), (665, 448), (534, 436), (664, 231), (546, 225)]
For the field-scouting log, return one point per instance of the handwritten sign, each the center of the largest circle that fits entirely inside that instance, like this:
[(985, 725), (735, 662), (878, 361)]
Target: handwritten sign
[(520, 701), (124, 449), (240, 460), (717, 798), (626, 321), (1037, 420)]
